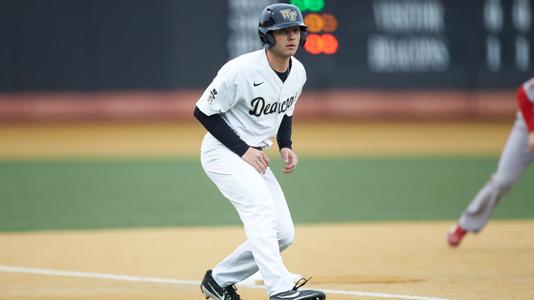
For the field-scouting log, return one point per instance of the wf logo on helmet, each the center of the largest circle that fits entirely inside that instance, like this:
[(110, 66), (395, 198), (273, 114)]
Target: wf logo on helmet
[(289, 14)]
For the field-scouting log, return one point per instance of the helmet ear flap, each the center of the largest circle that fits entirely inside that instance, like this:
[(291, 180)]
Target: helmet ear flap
[(267, 39), (262, 37), (303, 36), (270, 39)]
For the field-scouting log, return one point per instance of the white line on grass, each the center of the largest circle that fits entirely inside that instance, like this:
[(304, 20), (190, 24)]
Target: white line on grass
[(50, 272)]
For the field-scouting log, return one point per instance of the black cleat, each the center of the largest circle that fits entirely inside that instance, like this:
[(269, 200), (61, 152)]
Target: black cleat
[(295, 294), (213, 290)]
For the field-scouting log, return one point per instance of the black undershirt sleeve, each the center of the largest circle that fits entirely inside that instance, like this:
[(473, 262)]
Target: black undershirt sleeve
[(283, 137), (216, 125), (284, 133)]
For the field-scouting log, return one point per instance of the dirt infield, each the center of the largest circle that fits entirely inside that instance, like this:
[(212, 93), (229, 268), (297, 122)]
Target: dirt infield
[(64, 140), (352, 261)]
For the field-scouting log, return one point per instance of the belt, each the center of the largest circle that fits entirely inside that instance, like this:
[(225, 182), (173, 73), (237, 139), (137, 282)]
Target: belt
[(258, 148)]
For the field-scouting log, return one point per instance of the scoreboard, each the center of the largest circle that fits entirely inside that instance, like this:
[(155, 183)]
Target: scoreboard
[(419, 43), (321, 28), (407, 44), (352, 44)]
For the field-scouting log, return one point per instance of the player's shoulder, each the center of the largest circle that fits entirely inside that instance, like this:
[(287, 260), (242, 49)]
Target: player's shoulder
[(298, 65), (298, 68), (247, 60), (241, 65), (528, 86)]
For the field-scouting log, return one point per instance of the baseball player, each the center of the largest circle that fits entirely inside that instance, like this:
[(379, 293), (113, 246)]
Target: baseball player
[(251, 101), (517, 154)]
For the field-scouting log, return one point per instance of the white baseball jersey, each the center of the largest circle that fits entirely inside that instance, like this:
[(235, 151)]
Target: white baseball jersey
[(251, 98)]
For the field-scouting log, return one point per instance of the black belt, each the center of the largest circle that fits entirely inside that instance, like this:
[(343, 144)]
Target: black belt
[(258, 148)]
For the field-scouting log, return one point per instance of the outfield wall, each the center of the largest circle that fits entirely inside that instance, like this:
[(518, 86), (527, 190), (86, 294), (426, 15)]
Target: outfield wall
[(328, 104)]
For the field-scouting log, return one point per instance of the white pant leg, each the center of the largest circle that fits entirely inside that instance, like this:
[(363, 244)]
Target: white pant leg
[(258, 207), (516, 156), (514, 159), (240, 265), (285, 228)]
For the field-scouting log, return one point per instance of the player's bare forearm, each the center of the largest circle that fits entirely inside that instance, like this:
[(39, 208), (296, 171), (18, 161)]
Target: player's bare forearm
[(256, 158), (531, 141), (290, 160)]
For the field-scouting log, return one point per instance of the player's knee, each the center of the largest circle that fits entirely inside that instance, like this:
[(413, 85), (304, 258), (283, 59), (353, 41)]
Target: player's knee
[(286, 238), (285, 243), (502, 183), (259, 211)]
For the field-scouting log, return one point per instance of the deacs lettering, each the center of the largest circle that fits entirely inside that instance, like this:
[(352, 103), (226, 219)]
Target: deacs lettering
[(259, 106)]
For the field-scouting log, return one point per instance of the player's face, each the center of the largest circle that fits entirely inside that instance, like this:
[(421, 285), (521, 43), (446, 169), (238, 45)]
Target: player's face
[(287, 41)]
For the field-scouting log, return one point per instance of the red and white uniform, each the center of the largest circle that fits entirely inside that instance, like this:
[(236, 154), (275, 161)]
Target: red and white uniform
[(525, 100), (515, 157)]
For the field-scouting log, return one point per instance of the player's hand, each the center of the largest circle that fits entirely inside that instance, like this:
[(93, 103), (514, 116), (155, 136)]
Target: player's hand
[(290, 160), (531, 141), (256, 158)]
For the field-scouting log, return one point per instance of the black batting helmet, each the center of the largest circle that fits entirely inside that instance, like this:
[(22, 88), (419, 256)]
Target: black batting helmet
[(279, 16)]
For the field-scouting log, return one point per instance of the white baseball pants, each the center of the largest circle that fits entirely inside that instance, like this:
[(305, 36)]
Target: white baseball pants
[(262, 207), (514, 159)]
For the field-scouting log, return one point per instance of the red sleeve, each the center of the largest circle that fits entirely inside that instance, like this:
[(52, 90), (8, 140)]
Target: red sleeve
[(526, 108)]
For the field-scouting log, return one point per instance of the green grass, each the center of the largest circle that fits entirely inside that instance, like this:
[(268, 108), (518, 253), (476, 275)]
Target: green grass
[(39, 195)]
